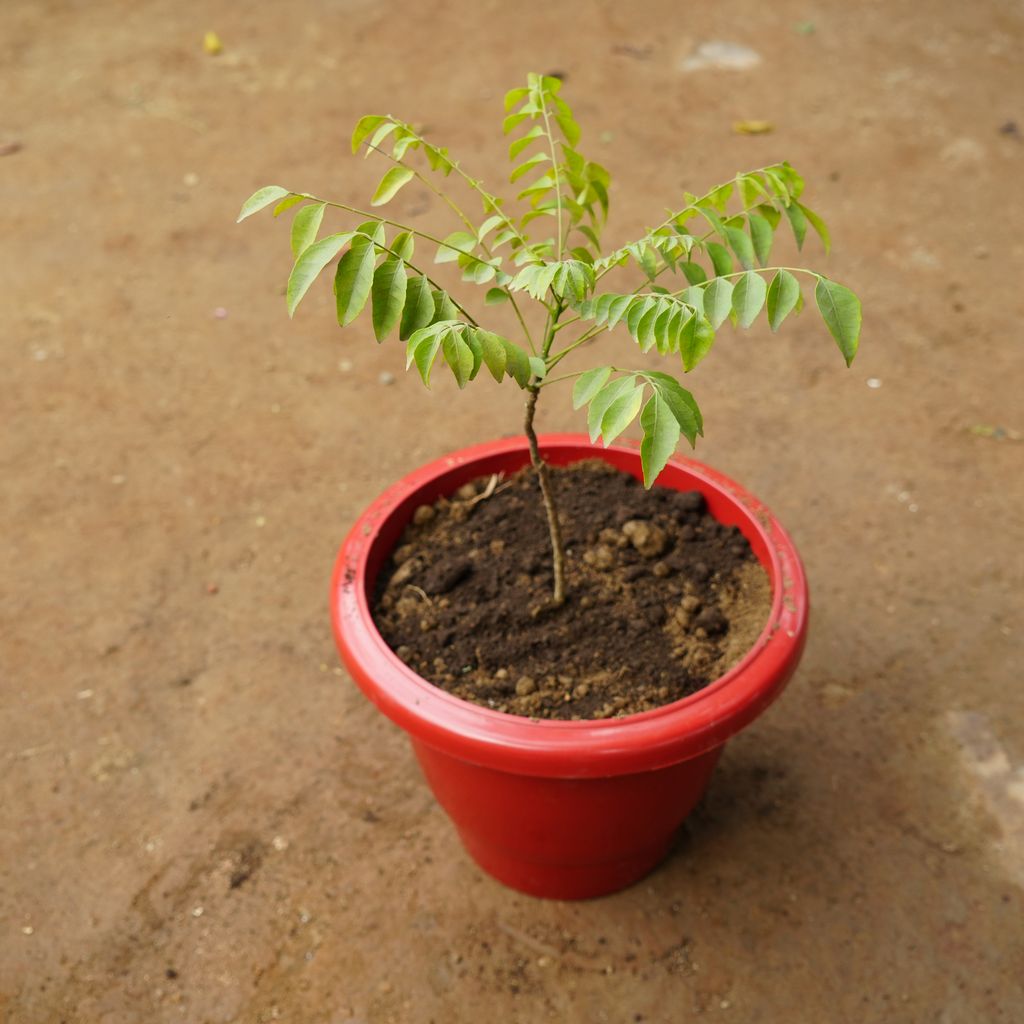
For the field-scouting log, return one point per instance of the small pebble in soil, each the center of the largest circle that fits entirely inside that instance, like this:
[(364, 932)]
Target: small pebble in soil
[(650, 540), (424, 514), (525, 686), (600, 557)]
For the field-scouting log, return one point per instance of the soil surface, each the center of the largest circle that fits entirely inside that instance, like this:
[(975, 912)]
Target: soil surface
[(204, 820), (662, 598)]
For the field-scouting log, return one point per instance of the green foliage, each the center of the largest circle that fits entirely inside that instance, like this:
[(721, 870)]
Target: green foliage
[(705, 263)]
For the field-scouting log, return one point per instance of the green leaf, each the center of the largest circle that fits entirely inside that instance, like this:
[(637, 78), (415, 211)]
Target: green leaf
[(515, 148), (783, 295), (681, 403), (695, 340), (476, 270), (535, 279), (665, 326), (661, 435), (512, 121), (305, 226), (389, 185), (261, 198), (637, 311), (495, 296), (527, 165), (404, 245), (693, 272), (489, 225), (570, 129), (543, 184), (819, 226), (761, 234), (751, 189), (353, 279), (310, 263), (388, 293), (457, 242), (422, 349), (374, 230), (588, 384), (617, 309), (645, 327), (469, 336), (493, 353), (514, 96), (379, 136), (620, 414), (403, 142), (363, 127), (798, 222), (720, 259), (444, 308), (748, 297), (840, 309), (538, 369), (648, 261), (287, 203), (518, 363), (458, 355), (719, 197), (419, 307), (742, 246), (718, 301), (603, 399)]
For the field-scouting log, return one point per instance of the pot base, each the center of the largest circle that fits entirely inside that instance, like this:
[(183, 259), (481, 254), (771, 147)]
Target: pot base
[(566, 839), (565, 881)]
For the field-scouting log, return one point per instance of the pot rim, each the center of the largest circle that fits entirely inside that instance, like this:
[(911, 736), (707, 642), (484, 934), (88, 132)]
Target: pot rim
[(642, 742)]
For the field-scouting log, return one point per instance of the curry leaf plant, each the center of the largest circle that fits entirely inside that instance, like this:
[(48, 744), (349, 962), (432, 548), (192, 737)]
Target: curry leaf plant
[(707, 262)]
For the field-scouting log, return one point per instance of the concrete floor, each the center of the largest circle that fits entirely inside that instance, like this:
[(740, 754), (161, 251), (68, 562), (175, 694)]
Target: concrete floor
[(180, 461)]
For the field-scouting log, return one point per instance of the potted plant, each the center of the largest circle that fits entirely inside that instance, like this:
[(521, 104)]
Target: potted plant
[(556, 803)]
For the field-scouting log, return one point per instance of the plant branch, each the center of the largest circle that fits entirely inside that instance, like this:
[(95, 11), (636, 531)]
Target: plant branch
[(695, 205), (384, 248), (544, 479), (581, 340), (554, 169), (557, 380)]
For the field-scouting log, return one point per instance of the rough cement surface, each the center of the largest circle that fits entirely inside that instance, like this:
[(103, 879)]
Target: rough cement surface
[(204, 821)]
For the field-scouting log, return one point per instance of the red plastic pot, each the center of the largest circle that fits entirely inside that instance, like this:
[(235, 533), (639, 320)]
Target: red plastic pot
[(568, 810)]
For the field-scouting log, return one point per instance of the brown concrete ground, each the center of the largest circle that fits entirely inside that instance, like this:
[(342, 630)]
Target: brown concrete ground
[(203, 820)]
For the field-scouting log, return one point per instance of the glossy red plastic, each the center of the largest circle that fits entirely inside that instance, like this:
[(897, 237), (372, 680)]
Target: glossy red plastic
[(567, 810)]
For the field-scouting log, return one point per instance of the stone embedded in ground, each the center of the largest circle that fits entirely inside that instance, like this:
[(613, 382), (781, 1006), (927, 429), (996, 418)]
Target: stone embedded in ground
[(721, 55)]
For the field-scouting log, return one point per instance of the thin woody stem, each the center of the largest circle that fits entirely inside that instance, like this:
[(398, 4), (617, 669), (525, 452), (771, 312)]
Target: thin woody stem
[(544, 478)]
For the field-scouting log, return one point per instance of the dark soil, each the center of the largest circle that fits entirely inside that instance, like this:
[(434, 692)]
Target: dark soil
[(662, 597)]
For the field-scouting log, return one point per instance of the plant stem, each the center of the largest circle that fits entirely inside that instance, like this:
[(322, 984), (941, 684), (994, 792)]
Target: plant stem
[(544, 478), (554, 170)]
